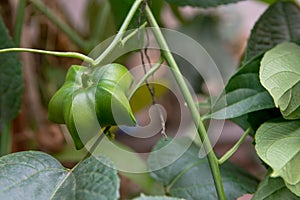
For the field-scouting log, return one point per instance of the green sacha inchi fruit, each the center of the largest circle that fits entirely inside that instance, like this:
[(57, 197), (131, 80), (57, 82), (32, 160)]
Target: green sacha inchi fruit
[(91, 99)]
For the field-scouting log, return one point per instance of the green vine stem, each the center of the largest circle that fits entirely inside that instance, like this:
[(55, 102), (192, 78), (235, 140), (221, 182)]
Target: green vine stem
[(229, 153), (53, 53), (119, 35), (129, 36), (73, 35), (212, 159)]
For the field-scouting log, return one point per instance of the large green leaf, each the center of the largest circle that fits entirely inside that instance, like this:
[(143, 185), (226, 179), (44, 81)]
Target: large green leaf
[(243, 93), (36, 175), (201, 3), (273, 189), (96, 178), (280, 75), (11, 82), (278, 145), (143, 197), (187, 176), (32, 175), (279, 23), (119, 158)]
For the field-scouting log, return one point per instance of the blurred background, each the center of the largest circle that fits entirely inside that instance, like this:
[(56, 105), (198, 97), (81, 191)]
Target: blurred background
[(83, 24)]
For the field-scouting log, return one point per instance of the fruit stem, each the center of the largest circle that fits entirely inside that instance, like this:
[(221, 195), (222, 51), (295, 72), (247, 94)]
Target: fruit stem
[(121, 32)]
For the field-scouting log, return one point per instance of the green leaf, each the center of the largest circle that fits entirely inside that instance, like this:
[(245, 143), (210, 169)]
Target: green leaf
[(96, 178), (273, 189), (277, 144), (36, 175), (279, 23), (280, 75), (201, 3), (269, 1), (243, 93), (143, 197), (294, 188), (124, 157), (11, 83), (32, 175), (188, 176), (290, 102)]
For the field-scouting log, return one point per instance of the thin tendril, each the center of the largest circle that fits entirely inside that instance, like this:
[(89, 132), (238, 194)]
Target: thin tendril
[(143, 54)]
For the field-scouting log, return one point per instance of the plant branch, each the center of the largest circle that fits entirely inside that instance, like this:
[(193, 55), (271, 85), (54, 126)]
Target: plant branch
[(145, 77), (122, 30), (229, 153), (206, 116), (72, 34), (129, 36), (212, 159), (19, 22), (53, 53)]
